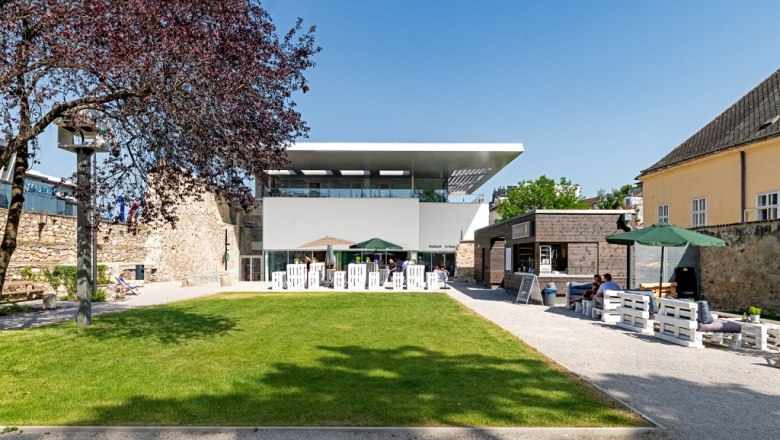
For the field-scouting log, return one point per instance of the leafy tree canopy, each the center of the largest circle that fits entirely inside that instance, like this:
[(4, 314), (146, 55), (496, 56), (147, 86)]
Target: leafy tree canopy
[(613, 199), (201, 88), (542, 193)]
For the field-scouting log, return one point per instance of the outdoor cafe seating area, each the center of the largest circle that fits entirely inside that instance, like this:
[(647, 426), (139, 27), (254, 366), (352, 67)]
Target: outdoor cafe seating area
[(357, 277), (683, 322)]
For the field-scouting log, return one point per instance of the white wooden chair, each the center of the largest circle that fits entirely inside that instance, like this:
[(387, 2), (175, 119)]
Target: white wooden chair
[(314, 279), (277, 280), (296, 276), (634, 313), (357, 276), (609, 313), (373, 281), (398, 281), (415, 277), (432, 280), (339, 280)]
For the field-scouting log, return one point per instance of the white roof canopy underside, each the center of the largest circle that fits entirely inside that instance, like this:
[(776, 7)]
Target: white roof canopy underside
[(466, 165)]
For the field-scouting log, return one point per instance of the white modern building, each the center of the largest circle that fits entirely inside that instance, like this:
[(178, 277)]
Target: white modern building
[(418, 196)]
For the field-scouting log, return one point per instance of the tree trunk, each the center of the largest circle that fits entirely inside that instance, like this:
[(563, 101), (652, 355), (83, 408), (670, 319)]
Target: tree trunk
[(8, 245)]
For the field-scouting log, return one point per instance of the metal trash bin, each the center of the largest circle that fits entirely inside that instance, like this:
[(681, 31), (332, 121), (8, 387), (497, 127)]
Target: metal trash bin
[(139, 272), (549, 293)]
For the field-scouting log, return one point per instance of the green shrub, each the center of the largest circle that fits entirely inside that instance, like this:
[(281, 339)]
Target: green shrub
[(753, 310), (99, 296), (68, 276), (28, 274)]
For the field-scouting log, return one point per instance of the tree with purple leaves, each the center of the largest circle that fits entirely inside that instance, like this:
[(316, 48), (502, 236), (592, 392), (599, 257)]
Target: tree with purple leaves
[(198, 94)]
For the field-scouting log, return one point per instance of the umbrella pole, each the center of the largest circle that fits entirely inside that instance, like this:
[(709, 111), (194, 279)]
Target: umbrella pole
[(661, 275)]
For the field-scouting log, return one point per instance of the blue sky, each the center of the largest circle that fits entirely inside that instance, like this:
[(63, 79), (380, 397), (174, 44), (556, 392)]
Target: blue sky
[(595, 90)]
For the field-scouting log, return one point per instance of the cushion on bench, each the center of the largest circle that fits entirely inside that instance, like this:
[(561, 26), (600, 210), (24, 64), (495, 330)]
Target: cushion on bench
[(705, 317), (720, 326)]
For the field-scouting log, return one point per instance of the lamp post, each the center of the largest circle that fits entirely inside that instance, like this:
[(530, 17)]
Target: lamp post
[(90, 143)]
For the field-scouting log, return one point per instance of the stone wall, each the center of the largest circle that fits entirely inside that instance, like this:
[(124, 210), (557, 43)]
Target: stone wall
[(746, 272), (194, 246), (464, 262)]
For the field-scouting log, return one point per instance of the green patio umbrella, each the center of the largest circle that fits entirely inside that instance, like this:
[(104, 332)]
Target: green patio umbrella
[(664, 234), (375, 244)]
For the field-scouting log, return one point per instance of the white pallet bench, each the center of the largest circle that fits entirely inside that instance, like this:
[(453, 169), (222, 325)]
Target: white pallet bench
[(398, 281), (415, 274), (609, 314), (432, 280), (357, 276), (339, 280), (373, 281), (319, 267), (314, 279), (296, 276), (634, 313), (678, 322), (587, 307), (277, 280)]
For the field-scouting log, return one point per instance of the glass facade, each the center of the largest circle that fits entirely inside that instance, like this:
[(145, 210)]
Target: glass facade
[(39, 197), (425, 189)]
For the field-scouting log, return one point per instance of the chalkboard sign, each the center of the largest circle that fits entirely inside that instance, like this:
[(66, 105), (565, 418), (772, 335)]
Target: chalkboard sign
[(526, 285)]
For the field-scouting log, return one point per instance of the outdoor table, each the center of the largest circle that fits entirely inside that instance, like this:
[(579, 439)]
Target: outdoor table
[(759, 335)]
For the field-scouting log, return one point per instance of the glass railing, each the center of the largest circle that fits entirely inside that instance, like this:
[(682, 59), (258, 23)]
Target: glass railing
[(361, 193), (39, 202)]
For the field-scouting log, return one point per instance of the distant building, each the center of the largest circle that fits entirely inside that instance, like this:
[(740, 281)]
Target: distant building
[(726, 172), (42, 193)]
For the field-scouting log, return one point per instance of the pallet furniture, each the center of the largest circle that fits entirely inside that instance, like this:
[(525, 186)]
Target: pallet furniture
[(314, 279), (678, 322), (357, 276), (587, 307), (415, 277), (319, 267), (666, 290), (339, 280), (296, 276), (609, 313), (760, 336), (398, 281), (432, 280), (634, 312), (278, 280), (373, 281)]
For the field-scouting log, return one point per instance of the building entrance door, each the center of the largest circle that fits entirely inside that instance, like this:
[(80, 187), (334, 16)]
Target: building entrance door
[(251, 268)]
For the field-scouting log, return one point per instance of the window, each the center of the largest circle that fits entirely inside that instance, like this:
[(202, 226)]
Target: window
[(663, 213), (698, 212), (766, 206)]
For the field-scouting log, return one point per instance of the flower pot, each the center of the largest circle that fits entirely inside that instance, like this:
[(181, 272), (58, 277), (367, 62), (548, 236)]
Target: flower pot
[(755, 319)]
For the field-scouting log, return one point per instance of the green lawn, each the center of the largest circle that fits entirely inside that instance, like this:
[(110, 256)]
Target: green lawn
[(291, 359)]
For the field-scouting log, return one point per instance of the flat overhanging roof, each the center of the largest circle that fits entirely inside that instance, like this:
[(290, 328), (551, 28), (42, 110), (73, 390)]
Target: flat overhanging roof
[(466, 165)]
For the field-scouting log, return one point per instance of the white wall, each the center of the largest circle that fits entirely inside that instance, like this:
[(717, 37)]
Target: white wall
[(289, 223), (442, 224)]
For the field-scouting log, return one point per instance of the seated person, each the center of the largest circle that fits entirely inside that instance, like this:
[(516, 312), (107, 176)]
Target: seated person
[(589, 292), (598, 298)]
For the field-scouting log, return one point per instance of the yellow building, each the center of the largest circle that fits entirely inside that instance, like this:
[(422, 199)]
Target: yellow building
[(728, 172)]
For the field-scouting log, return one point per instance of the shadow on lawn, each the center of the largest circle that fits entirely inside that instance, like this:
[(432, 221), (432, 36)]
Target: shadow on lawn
[(163, 324), (357, 386)]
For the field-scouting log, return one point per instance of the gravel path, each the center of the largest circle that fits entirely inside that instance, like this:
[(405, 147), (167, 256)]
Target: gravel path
[(711, 393)]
